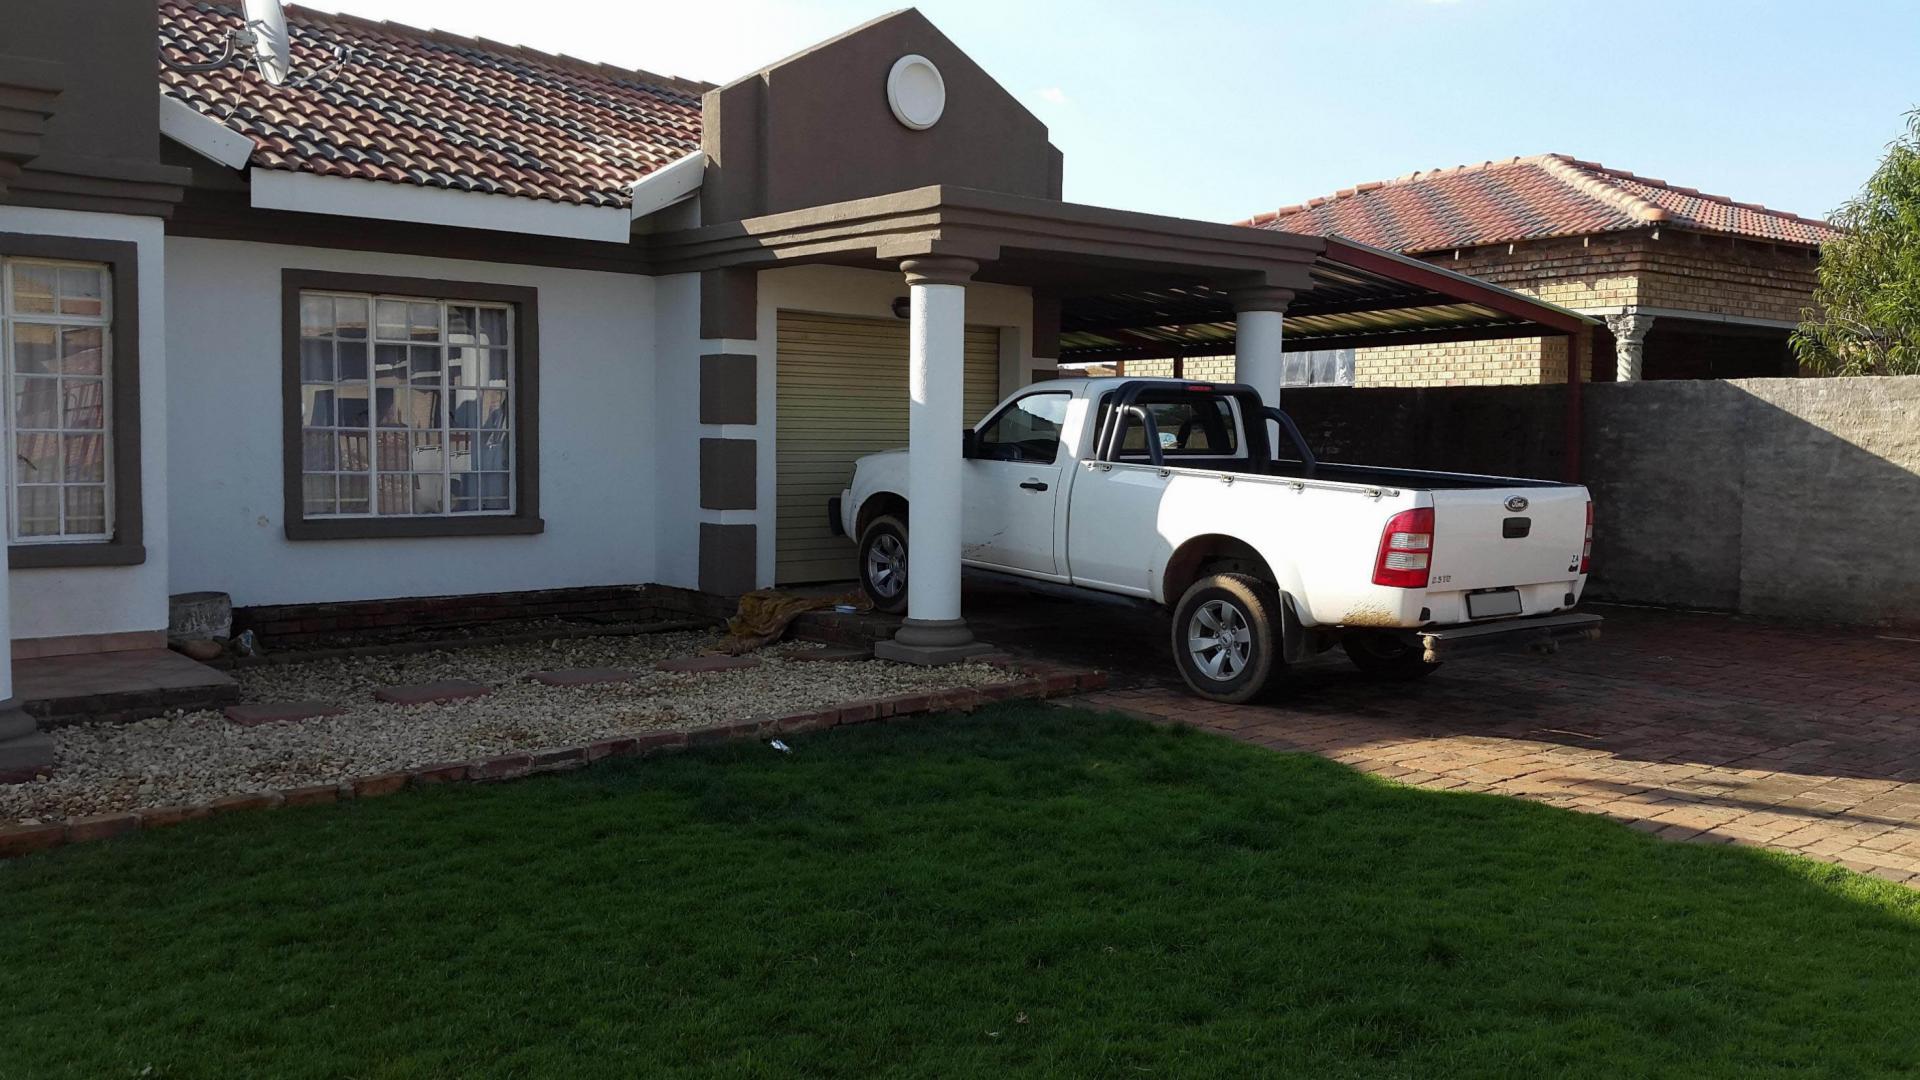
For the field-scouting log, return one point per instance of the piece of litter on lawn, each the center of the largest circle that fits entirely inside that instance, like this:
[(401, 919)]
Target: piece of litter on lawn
[(780, 746)]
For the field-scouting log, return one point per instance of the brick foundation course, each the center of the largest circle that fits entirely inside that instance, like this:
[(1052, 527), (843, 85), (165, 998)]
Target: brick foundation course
[(1028, 681)]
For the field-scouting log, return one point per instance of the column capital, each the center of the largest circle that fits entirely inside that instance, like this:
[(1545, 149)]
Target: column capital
[(938, 270), (1259, 298), (1629, 326)]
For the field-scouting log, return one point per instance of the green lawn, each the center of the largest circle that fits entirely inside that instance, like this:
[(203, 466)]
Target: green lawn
[(1024, 891)]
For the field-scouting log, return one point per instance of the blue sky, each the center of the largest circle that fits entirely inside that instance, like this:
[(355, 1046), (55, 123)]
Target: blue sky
[(1218, 111)]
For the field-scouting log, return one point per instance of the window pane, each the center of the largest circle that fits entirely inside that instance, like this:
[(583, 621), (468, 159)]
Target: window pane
[(389, 364), (352, 450), (353, 494), (82, 289), (316, 316), (424, 362), (396, 494), (36, 403), (493, 326), (32, 288), (499, 367), (36, 457), (423, 322), (465, 367), (350, 361), (394, 455), (350, 406), (33, 349), (429, 493), (1028, 430), (466, 492), (80, 349), (494, 453), (39, 510), (350, 317), (84, 459), (86, 510), (316, 360), (82, 403), (392, 320), (317, 451), (318, 494), (460, 324), (428, 451), (316, 406), (494, 489)]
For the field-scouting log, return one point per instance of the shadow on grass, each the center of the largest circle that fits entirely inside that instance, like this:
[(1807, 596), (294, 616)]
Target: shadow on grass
[(1027, 890)]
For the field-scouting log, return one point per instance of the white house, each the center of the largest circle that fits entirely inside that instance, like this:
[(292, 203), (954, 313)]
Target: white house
[(433, 316)]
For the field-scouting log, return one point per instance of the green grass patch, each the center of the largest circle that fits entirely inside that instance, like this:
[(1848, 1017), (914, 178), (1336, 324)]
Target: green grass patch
[(1024, 891)]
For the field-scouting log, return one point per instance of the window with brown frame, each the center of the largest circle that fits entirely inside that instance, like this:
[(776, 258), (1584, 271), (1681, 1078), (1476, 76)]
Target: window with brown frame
[(411, 407), (69, 357)]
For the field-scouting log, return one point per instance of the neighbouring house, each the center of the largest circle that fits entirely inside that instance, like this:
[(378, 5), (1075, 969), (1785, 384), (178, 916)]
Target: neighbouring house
[(1690, 285), (431, 316)]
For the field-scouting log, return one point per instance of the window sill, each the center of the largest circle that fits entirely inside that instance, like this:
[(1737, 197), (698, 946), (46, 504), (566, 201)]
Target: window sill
[(413, 528), (52, 556)]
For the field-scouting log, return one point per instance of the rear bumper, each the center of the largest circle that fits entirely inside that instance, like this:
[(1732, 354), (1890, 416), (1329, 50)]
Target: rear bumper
[(1542, 632)]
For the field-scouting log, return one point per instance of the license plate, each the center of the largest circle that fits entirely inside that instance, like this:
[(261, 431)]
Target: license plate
[(1486, 605)]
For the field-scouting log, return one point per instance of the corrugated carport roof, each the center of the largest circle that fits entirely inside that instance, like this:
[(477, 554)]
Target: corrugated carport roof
[(1361, 297)]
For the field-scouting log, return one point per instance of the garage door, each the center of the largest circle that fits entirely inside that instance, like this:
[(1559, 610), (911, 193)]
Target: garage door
[(842, 392)]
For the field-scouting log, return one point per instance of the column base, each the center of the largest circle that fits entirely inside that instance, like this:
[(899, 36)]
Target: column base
[(931, 642), (25, 751)]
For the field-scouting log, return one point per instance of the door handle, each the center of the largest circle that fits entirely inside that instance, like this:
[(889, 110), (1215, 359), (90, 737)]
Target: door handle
[(1034, 485)]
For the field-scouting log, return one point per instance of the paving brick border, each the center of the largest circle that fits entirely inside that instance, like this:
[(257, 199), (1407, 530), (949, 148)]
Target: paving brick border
[(1028, 681)]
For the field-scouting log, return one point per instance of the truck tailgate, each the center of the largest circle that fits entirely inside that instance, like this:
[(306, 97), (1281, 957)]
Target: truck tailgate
[(1486, 538)]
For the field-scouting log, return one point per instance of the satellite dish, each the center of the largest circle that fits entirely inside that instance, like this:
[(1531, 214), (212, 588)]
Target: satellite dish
[(271, 50)]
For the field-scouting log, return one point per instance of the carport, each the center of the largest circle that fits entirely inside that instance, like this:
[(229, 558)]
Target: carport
[(1123, 284)]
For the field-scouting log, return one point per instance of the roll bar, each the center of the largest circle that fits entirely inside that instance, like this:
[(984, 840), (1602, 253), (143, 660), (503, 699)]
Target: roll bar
[(1126, 408)]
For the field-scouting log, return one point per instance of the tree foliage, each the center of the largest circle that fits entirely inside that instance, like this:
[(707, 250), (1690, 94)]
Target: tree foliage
[(1866, 319)]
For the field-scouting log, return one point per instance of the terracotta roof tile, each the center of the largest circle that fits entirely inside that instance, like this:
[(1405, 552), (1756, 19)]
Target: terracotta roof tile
[(1530, 198), (433, 109)]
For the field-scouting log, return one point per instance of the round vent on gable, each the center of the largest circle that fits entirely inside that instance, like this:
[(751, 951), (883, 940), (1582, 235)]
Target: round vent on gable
[(915, 92)]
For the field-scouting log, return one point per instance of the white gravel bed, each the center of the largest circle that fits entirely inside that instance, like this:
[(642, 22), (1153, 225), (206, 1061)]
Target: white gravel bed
[(191, 757)]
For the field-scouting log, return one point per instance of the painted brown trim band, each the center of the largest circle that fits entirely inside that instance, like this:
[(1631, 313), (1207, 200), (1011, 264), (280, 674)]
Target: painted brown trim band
[(525, 519), (128, 546)]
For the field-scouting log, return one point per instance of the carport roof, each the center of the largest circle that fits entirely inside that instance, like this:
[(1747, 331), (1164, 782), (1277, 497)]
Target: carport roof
[(1360, 297)]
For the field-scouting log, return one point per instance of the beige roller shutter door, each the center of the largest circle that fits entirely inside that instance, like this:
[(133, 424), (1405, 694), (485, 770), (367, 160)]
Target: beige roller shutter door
[(842, 392)]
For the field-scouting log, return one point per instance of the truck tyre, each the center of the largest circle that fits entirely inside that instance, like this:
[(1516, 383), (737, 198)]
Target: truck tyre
[(1387, 656), (883, 563), (1226, 636)]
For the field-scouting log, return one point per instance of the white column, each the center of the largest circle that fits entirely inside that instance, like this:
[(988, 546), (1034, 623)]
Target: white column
[(1629, 343), (936, 420), (1258, 314)]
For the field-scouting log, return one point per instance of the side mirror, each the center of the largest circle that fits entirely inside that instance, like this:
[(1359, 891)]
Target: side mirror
[(966, 443)]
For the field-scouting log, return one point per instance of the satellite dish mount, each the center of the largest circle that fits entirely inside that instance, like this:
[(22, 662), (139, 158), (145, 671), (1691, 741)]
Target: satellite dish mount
[(263, 39)]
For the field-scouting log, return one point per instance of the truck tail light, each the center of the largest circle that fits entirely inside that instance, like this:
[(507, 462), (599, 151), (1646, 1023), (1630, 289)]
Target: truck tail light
[(1586, 551), (1406, 550)]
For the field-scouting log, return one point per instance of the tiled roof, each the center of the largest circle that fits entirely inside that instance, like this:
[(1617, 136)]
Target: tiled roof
[(1529, 198), (422, 107)]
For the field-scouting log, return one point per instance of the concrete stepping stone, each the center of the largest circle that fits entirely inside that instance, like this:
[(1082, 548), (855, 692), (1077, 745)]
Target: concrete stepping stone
[(582, 676), (270, 711), (430, 693), (699, 664)]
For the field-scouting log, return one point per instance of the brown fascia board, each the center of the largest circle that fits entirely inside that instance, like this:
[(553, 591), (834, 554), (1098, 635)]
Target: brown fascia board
[(939, 219)]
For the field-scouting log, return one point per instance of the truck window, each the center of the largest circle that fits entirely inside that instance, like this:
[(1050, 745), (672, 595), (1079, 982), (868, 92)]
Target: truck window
[(1027, 430), (1193, 427)]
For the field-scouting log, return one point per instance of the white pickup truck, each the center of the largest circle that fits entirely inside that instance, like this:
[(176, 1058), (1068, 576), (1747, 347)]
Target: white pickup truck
[(1173, 492)]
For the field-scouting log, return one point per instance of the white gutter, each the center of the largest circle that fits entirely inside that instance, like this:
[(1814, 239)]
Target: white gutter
[(203, 135), (668, 185), (276, 189)]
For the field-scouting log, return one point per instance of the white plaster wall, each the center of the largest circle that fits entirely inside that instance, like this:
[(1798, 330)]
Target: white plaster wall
[(111, 599), (677, 428), (838, 290), (599, 476)]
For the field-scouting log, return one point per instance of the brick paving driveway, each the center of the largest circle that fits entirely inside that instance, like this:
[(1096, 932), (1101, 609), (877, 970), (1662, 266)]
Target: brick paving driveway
[(1693, 726)]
